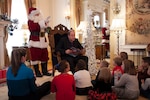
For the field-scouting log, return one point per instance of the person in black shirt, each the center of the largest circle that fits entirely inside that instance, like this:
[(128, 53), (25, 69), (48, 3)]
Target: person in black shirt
[(71, 50)]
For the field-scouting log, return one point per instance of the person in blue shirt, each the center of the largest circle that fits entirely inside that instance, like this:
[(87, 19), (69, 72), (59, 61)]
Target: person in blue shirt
[(21, 81)]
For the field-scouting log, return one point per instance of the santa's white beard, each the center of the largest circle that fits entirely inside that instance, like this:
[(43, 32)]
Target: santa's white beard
[(37, 18)]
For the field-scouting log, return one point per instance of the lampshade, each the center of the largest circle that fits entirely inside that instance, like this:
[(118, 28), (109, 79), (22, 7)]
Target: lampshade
[(24, 26), (118, 24), (82, 25)]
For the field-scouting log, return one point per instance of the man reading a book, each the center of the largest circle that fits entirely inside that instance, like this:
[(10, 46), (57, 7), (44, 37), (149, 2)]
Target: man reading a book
[(71, 50)]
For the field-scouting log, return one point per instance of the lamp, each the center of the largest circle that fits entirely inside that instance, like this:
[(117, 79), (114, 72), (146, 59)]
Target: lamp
[(81, 28), (25, 27), (117, 26), (67, 17), (116, 9)]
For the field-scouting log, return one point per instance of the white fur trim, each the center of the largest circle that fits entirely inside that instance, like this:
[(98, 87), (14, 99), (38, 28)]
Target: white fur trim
[(39, 44), (33, 13), (105, 41), (34, 62)]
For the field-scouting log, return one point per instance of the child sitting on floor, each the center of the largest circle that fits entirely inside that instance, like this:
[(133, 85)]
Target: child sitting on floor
[(102, 65), (82, 78), (117, 70), (102, 90), (64, 83)]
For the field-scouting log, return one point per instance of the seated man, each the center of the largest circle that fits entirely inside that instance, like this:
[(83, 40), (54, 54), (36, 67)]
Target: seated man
[(71, 50)]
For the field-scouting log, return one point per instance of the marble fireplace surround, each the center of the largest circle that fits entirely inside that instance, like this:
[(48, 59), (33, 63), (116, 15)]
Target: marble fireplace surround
[(2, 42)]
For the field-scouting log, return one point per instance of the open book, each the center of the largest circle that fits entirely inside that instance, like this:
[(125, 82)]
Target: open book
[(76, 51)]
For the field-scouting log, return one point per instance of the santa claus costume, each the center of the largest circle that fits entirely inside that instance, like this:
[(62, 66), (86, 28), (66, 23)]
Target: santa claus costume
[(105, 39), (37, 41)]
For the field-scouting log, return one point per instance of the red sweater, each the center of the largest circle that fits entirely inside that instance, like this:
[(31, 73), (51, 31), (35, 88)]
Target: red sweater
[(117, 68), (64, 86)]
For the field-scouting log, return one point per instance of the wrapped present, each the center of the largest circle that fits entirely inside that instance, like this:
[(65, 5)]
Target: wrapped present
[(3, 73)]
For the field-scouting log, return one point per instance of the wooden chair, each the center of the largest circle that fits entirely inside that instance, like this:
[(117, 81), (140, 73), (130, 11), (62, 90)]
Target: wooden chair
[(56, 34)]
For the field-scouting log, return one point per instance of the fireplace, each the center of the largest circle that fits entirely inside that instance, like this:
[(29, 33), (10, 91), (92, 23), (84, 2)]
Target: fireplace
[(3, 24)]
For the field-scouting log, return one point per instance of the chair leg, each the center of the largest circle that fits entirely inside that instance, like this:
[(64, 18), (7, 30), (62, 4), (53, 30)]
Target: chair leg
[(53, 73)]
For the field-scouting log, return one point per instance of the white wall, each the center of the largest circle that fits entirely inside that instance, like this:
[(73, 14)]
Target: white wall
[(56, 9)]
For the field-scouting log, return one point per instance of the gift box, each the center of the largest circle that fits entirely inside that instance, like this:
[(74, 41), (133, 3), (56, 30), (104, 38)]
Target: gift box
[(3, 73)]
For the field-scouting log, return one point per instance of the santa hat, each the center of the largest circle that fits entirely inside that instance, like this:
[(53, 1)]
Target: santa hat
[(33, 11)]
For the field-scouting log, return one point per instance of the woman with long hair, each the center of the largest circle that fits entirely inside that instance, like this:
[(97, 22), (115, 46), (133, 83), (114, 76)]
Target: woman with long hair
[(127, 86), (21, 81)]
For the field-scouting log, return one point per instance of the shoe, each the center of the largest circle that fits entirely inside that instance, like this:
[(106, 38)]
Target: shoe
[(47, 74), (37, 71), (39, 75)]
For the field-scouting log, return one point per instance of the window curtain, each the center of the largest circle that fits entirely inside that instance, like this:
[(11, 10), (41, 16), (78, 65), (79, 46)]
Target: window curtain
[(6, 57), (29, 4), (6, 9), (5, 6), (8, 5), (77, 11)]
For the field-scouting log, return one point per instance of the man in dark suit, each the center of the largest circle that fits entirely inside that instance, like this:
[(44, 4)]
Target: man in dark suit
[(71, 50)]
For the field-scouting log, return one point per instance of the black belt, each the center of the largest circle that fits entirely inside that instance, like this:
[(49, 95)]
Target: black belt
[(40, 34), (35, 33)]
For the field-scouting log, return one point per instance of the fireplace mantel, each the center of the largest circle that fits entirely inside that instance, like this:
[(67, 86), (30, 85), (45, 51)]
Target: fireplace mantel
[(2, 45)]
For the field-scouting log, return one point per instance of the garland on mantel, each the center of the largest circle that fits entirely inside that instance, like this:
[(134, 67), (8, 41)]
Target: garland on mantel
[(11, 27)]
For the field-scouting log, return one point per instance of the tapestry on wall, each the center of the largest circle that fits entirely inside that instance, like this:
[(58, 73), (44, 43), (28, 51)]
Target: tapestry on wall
[(138, 21)]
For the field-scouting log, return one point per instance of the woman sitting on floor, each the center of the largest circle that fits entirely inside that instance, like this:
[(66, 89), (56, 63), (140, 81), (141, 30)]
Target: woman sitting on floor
[(21, 81), (127, 86)]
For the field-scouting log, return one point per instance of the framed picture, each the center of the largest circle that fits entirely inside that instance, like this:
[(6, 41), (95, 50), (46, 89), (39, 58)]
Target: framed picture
[(138, 22)]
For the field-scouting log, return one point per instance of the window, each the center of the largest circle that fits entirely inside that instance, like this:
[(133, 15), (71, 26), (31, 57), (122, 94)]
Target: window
[(18, 11)]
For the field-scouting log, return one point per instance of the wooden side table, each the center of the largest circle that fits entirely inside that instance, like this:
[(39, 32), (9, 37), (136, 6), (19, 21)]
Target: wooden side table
[(100, 52)]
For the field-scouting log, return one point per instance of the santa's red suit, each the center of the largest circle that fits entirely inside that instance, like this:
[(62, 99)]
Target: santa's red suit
[(37, 41), (105, 38)]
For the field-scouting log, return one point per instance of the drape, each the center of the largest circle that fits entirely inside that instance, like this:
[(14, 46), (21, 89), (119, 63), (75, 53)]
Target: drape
[(6, 57), (8, 3), (77, 11), (6, 9), (29, 4)]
